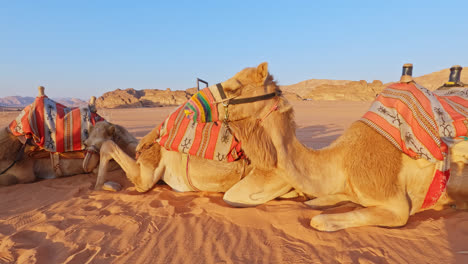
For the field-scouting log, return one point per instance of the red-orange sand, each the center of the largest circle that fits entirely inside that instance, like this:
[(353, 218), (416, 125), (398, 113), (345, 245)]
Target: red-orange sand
[(65, 221)]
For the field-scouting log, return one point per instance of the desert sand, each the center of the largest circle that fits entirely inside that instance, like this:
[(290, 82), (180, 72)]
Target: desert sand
[(66, 221)]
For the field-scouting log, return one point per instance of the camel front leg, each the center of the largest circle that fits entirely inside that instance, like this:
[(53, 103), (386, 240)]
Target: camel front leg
[(258, 187), (327, 201), (144, 177), (370, 216)]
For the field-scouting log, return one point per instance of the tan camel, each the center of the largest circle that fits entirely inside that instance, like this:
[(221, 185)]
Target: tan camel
[(361, 166), (243, 184), (29, 162)]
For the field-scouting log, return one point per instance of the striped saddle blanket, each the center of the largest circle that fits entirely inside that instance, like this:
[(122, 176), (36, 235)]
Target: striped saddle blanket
[(53, 126), (422, 124), (195, 129)]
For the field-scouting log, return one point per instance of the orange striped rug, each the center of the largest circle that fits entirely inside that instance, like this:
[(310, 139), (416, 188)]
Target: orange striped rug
[(53, 126), (422, 124), (195, 129)]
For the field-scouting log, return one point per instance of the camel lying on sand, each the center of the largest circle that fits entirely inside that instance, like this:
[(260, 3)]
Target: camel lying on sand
[(362, 166), (23, 161), (245, 183)]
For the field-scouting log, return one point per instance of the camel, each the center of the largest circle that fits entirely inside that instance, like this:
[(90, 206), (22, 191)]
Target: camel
[(361, 166), (244, 182), (23, 161)]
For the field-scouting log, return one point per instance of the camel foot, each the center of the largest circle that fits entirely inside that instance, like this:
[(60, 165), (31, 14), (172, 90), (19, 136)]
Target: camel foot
[(321, 223), (111, 186)]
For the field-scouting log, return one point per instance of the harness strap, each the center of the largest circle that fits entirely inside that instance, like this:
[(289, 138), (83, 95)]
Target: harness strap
[(245, 100), (221, 91), (187, 175), (272, 109), (253, 99), (55, 162)]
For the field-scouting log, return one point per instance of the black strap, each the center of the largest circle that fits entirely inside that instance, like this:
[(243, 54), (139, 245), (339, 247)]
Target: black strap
[(253, 99), (221, 91), (247, 99)]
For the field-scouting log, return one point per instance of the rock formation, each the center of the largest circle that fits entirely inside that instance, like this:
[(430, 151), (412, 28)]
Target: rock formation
[(141, 98)]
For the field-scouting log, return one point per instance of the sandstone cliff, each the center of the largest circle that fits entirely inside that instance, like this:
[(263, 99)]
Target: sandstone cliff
[(361, 90), (141, 98), (329, 90)]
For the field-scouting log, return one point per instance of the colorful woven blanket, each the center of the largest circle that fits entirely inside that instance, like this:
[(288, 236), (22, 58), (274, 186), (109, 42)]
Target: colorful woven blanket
[(195, 129), (53, 126), (422, 124)]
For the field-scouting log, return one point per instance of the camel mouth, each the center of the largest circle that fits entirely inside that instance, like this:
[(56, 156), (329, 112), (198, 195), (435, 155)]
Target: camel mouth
[(91, 159)]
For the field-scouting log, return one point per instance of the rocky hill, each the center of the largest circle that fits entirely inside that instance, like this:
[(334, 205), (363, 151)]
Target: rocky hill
[(434, 80), (360, 90), (313, 89), (142, 98)]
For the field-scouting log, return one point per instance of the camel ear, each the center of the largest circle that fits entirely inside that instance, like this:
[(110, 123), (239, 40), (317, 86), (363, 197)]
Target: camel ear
[(111, 130), (262, 71)]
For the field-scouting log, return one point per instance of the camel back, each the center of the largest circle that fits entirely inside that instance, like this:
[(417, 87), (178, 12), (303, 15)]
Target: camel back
[(53, 126), (422, 124)]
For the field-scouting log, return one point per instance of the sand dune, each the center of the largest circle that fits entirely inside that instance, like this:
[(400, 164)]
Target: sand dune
[(65, 221)]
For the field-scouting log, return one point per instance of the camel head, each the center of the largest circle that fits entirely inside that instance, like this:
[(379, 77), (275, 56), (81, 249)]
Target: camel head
[(98, 134), (252, 92), (253, 101)]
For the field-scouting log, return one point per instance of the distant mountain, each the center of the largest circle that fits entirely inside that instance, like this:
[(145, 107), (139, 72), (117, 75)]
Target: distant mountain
[(70, 102), (16, 101), (20, 101)]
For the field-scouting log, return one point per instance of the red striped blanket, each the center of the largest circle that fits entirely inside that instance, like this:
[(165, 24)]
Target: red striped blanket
[(53, 126), (422, 124), (194, 128)]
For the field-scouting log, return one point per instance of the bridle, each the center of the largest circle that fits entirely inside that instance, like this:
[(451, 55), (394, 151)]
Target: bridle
[(246, 100), (236, 101)]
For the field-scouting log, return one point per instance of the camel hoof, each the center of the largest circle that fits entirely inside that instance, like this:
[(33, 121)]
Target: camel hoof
[(111, 186), (320, 223)]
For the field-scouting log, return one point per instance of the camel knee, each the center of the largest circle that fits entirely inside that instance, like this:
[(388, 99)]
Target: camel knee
[(146, 177), (107, 148)]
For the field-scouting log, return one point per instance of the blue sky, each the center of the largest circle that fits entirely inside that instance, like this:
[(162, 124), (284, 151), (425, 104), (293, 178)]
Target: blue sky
[(84, 48)]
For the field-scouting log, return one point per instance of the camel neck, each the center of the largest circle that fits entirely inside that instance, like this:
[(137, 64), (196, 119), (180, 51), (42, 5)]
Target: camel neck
[(307, 170)]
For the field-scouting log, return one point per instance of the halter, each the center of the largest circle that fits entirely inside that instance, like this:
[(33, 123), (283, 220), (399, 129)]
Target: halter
[(246, 100), (233, 101)]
